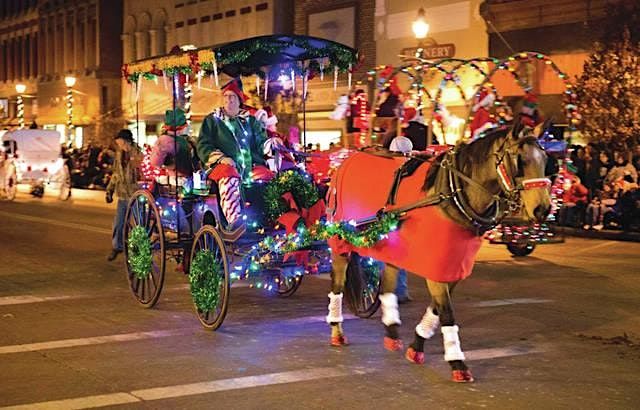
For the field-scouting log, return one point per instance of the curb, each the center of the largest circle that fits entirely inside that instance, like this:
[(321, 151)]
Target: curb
[(603, 234)]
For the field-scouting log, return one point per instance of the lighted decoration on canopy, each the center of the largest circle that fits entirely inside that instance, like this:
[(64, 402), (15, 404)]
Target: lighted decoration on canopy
[(253, 56)]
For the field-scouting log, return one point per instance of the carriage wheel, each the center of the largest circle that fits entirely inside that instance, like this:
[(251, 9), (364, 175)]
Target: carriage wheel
[(144, 249), (288, 285), (65, 185), (11, 185), (209, 277), (521, 249), (362, 287)]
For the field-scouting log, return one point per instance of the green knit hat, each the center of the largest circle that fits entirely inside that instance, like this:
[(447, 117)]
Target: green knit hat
[(177, 121)]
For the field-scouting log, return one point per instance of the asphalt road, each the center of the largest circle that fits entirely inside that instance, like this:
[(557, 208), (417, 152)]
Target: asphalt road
[(558, 329)]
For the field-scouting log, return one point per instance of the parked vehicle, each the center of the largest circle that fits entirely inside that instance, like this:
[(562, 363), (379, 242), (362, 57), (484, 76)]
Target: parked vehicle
[(33, 157)]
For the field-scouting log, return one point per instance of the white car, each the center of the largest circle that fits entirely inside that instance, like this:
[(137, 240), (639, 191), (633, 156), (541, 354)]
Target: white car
[(34, 157)]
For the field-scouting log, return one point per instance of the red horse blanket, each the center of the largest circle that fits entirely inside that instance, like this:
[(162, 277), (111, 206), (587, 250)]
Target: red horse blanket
[(427, 243)]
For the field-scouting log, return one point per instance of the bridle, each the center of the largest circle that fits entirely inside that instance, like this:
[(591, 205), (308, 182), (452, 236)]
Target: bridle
[(511, 181)]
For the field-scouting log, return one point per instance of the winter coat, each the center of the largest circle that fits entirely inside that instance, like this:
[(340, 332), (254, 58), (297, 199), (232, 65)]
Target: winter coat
[(223, 136), (126, 173)]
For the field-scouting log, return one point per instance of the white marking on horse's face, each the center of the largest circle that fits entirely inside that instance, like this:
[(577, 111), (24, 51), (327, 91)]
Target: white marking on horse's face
[(537, 201)]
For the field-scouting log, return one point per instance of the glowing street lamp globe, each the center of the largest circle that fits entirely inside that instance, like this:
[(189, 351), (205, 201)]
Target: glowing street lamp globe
[(70, 81), (420, 27)]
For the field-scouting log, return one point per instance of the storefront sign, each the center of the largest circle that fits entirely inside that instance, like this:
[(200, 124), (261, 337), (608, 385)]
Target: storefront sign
[(432, 51)]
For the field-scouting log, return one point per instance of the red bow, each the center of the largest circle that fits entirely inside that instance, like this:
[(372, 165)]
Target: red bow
[(291, 218)]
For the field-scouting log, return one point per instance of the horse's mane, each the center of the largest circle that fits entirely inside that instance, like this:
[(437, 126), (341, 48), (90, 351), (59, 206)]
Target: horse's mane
[(476, 151)]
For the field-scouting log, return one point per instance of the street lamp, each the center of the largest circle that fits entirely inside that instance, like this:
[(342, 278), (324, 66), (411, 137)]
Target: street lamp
[(420, 26), (70, 82), (420, 29), (20, 89)]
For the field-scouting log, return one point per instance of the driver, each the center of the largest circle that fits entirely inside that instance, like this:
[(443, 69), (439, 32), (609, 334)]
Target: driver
[(231, 144)]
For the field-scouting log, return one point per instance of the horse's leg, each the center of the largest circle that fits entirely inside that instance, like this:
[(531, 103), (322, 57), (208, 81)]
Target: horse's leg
[(424, 330), (441, 298), (334, 318), (390, 313)]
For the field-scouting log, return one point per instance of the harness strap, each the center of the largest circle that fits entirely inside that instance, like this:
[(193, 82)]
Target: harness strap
[(407, 169)]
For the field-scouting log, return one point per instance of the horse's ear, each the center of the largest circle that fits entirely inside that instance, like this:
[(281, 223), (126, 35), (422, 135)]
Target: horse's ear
[(517, 128)]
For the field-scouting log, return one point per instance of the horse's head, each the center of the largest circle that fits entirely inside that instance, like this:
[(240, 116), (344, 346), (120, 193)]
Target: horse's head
[(526, 160)]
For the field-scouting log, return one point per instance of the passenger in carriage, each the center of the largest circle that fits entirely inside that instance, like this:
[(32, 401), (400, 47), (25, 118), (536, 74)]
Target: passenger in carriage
[(231, 144), (175, 132)]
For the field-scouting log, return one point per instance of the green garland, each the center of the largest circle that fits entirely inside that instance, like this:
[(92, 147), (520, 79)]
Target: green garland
[(139, 247), (365, 238), (205, 277), (303, 191)]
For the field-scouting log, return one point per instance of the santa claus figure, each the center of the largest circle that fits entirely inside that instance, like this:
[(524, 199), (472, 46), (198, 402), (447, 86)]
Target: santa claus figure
[(482, 118)]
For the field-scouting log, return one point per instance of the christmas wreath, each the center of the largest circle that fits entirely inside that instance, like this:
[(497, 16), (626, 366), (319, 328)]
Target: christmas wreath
[(304, 193), (139, 247), (205, 277)]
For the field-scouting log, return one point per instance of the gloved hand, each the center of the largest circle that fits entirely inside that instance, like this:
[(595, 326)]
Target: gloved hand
[(108, 197)]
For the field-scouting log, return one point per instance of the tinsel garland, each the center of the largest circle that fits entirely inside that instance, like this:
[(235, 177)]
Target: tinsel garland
[(139, 247), (205, 276), (211, 61), (303, 191), (367, 237)]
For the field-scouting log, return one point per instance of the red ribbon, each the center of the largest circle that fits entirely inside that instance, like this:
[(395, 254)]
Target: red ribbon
[(309, 216)]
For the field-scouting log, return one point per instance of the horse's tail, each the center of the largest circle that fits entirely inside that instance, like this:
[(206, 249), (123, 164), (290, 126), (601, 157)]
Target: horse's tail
[(354, 283)]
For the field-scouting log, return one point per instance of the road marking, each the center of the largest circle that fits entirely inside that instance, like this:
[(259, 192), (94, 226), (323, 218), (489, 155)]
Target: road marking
[(56, 223), (88, 341), (484, 354), (593, 247), (19, 300), (213, 386), (505, 302)]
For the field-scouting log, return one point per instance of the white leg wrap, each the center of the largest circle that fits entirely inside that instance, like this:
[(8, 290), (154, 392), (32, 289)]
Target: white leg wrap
[(390, 313), (428, 325), (335, 308), (452, 350)]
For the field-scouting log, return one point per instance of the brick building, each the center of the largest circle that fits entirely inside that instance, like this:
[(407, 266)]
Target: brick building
[(45, 41)]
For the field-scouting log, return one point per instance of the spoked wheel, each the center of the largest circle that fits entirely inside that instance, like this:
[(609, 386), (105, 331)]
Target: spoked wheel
[(287, 285), (209, 277), (362, 287), (144, 249), (521, 249), (65, 185)]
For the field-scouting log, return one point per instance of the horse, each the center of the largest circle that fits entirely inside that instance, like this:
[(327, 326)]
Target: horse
[(446, 203)]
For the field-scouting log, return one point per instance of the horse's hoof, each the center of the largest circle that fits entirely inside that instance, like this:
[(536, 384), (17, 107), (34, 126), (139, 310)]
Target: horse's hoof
[(462, 376), (413, 356), (393, 344), (339, 341)]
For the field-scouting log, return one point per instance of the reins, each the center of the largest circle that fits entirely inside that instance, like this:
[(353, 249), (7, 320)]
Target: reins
[(503, 202)]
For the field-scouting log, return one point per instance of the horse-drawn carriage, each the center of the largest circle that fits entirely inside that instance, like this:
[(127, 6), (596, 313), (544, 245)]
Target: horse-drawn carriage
[(33, 157), (180, 218)]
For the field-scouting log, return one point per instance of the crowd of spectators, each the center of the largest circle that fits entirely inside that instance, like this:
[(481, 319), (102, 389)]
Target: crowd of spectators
[(90, 166), (603, 193)]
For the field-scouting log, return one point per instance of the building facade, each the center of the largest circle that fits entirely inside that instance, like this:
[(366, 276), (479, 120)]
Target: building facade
[(565, 30), (46, 41)]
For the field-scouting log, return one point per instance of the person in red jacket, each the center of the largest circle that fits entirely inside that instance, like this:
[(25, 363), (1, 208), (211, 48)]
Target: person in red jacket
[(574, 202)]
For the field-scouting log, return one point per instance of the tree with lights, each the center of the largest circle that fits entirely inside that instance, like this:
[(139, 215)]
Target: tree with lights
[(608, 91)]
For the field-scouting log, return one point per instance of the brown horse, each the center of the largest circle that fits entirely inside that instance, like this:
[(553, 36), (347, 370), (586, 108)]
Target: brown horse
[(447, 204)]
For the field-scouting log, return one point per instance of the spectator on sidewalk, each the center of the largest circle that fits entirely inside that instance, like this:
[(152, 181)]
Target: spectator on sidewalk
[(574, 200)]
